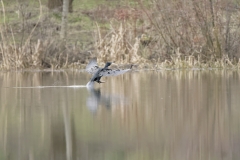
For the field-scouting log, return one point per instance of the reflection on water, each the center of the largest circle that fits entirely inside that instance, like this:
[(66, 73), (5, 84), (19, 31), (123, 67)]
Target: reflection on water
[(96, 99), (137, 116)]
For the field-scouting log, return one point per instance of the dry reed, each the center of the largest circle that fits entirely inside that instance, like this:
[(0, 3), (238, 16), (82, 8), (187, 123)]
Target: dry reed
[(173, 35), (116, 47), (17, 56), (34, 52)]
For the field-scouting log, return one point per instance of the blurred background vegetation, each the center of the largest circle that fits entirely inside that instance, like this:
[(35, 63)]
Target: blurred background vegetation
[(149, 33)]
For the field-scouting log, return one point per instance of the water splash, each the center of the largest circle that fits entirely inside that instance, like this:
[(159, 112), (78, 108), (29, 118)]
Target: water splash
[(39, 87), (90, 84)]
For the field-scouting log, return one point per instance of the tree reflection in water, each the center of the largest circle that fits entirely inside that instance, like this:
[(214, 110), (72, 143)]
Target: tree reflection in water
[(153, 115)]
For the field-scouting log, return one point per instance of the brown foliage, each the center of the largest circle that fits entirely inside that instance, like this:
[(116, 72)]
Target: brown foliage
[(203, 28)]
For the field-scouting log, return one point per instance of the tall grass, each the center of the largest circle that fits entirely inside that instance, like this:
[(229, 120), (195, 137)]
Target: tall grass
[(18, 56), (32, 41), (174, 34), (158, 34), (115, 46)]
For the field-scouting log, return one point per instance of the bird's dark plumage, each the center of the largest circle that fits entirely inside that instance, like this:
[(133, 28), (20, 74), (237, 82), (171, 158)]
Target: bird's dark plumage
[(98, 72)]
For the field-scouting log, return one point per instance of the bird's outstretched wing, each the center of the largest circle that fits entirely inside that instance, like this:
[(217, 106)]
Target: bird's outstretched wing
[(92, 66), (113, 72)]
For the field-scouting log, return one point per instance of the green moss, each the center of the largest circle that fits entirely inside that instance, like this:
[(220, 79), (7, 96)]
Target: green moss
[(87, 4), (57, 15), (74, 19), (9, 17)]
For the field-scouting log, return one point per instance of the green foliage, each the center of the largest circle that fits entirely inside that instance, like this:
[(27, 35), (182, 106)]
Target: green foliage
[(57, 15)]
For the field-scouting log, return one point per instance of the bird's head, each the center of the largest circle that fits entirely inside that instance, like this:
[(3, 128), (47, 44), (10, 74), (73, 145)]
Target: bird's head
[(107, 64)]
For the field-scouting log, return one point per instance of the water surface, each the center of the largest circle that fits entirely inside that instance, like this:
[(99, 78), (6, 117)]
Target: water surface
[(147, 115)]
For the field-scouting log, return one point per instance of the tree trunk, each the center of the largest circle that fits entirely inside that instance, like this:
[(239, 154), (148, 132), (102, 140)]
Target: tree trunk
[(63, 33), (70, 8), (58, 4)]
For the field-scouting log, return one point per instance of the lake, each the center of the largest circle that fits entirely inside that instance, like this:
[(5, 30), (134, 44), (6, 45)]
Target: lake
[(141, 115)]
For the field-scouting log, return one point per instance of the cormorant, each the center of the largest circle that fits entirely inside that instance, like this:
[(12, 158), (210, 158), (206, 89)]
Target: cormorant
[(98, 72)]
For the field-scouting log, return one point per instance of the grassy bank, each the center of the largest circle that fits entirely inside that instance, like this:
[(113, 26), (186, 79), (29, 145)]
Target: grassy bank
[(150, 34)]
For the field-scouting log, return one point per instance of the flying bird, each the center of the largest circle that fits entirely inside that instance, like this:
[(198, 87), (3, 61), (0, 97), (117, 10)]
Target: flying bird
[(98, 72)]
